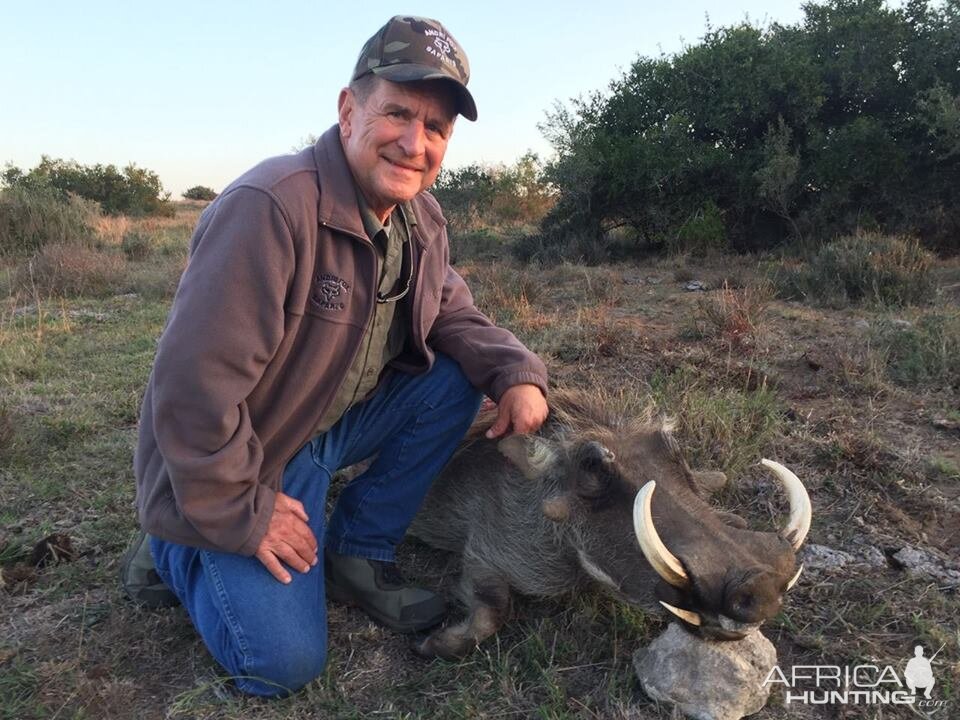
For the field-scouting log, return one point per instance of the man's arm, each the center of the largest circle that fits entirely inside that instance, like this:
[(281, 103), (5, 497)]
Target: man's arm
[(491, 357), (226, 323)]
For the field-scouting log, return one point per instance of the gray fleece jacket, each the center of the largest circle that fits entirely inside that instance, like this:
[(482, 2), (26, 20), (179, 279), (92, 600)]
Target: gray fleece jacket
[(264, 325)]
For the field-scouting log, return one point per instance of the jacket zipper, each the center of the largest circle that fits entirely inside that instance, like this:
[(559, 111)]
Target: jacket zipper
[(356, 350), (417, 315)]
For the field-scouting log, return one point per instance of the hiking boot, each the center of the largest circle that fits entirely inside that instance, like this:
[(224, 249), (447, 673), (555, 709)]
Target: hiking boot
[(139, 579), (379, 590)]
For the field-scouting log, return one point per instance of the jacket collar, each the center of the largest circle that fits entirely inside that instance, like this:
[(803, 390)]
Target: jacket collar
[(338, 195), (338, 206)]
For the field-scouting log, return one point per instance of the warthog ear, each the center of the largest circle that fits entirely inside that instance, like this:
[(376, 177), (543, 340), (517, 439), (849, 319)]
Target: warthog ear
[(557, 508), (532, 455), (598, 469), (708, 481)]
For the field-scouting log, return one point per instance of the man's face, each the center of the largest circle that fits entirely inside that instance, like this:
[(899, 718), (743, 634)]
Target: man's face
[(396, 139)]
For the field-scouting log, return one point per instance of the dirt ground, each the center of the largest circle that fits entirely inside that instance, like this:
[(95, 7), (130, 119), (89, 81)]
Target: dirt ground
[(746, 376)]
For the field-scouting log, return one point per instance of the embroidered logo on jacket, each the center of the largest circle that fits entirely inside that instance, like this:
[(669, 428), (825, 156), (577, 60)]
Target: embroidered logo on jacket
[(329, 290)]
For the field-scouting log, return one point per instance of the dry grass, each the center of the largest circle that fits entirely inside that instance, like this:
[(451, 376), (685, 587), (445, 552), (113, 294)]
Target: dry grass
[(71, 270), (880, 471), (735, 315), (6, 431), (111, 228), (864, 268)]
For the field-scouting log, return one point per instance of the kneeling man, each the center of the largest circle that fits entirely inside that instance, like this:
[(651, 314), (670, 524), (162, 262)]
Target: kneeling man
[(319, 323)]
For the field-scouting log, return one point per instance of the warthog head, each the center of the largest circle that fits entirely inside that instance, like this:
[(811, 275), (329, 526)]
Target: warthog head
[(632, 505)]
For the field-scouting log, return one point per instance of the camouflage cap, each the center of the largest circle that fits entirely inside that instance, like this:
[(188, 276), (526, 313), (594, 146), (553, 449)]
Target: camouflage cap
[(411, 48)]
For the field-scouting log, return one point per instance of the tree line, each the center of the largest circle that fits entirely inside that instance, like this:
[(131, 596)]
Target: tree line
[(846, 121)]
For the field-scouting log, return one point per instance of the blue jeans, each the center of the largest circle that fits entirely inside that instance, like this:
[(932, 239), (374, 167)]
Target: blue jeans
[(270, 637)]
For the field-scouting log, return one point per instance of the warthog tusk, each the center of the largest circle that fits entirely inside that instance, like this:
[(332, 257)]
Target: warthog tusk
[(801, 511), (793, 580), (688, 615), (661, 560)]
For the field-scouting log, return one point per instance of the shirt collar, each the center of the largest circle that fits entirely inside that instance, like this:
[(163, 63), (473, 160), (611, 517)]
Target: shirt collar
[(371, 223)]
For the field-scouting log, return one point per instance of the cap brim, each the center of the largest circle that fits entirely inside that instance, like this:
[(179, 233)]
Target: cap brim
[(409, 72)]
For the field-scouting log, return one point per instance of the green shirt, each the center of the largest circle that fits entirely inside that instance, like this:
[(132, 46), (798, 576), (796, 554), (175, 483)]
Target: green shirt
[(384, 337)]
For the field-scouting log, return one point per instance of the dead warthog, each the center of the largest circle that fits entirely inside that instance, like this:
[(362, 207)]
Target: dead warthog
[(541, 515)]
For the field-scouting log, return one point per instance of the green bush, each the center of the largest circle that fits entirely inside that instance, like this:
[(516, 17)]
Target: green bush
[(136, 245), (702, 232), (482, 244), (927, 351), (33, 217), (477, 197), (863, 268), (847, 119), (199, 192), (132, 191), (543, 247)]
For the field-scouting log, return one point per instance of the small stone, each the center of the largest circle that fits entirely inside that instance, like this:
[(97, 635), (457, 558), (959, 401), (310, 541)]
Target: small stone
[(24, 310), (821, 557), (873, 556), (695, 286), (707, 680), (922, 563)]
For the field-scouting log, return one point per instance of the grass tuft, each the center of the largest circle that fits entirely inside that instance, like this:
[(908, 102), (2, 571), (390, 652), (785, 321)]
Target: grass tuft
[(865, 268), (723, 428), (924, 352), (67, 270), (734, 315), (7, 433), (32, 218), (136, 245)]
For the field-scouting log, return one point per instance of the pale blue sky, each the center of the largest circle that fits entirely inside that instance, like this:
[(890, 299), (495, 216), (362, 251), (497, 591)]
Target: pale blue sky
[(200, 91)]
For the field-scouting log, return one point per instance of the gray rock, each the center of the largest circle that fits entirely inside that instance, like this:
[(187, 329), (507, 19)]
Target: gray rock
[(695, 286), (821, 557), (872, 556), (923, 563), (706, 680)]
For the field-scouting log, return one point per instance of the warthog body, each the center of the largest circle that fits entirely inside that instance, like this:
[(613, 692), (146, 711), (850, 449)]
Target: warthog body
[(543, 515)]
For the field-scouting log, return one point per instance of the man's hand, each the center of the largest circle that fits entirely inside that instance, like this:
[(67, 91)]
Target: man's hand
[(289, 539), (522, 409)]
